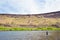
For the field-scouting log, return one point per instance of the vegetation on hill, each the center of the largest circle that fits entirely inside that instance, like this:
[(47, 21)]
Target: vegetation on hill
[(26, 21)]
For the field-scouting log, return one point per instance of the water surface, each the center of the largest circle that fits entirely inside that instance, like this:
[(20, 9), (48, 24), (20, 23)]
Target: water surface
[(23, 35)]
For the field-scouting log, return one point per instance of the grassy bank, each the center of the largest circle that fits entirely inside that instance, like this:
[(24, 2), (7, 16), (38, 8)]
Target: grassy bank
[(32, 23), (27, 29)]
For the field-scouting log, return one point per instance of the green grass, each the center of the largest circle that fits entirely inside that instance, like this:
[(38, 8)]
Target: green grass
[(27, 29)]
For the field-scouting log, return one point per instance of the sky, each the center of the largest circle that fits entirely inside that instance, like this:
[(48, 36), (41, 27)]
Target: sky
[(29, 6)]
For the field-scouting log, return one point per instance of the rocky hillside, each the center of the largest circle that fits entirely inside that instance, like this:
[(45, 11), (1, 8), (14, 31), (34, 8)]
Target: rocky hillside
[(32, 20)]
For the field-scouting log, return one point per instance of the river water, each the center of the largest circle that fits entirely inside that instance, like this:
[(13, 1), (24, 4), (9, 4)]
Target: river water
[(23, 35)]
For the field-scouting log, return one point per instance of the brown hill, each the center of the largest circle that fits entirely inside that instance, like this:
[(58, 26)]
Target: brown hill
[(30, 20)]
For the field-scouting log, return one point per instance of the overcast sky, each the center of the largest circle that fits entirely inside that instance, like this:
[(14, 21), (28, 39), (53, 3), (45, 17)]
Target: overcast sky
[(29, 6)]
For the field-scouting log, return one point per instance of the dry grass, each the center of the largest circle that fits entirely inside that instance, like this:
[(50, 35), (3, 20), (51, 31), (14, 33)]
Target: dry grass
[(32, 20)]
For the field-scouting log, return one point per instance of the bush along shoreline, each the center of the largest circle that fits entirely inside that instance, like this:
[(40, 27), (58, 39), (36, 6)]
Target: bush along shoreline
[(28, 29)]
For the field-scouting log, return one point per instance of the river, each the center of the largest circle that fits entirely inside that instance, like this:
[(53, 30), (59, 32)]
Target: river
[(23, 35)]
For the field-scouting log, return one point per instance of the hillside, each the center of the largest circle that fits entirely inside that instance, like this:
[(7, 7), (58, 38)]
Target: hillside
[(32, 20)]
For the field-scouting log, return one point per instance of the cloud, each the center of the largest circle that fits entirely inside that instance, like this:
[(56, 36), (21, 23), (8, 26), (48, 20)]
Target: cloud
[(19, 6), (29, 6), (52, 5)]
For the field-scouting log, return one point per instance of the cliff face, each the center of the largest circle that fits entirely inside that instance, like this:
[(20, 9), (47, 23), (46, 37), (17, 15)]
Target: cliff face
[(33, 20)]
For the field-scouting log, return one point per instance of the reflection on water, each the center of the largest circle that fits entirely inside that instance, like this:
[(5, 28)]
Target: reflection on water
[(27, 35)]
